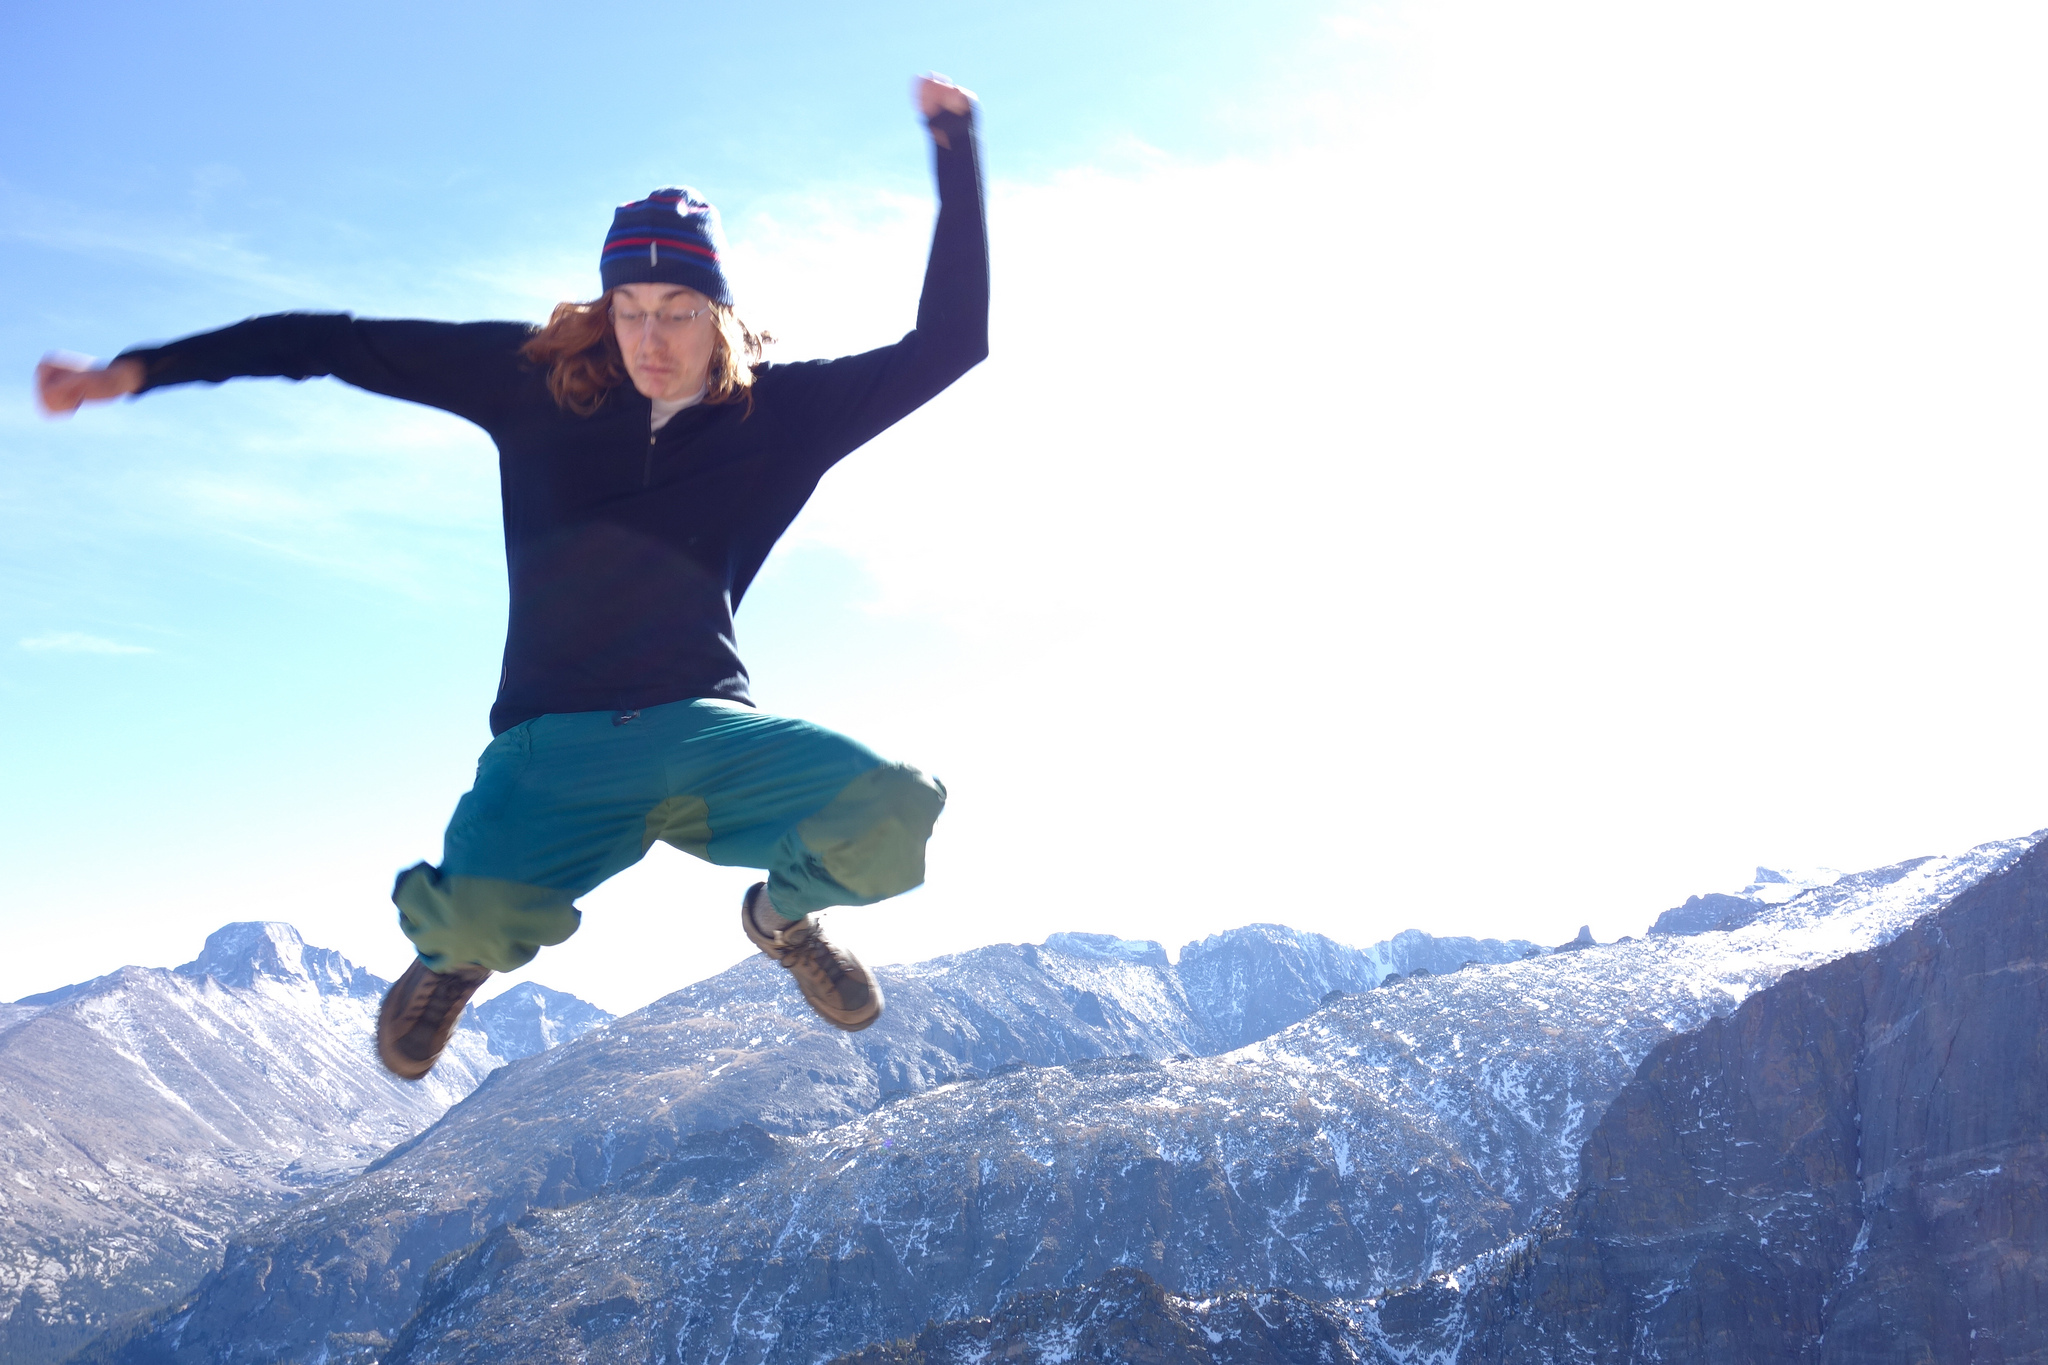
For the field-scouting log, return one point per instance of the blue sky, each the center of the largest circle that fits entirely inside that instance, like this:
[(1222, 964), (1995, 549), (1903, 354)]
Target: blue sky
[(1478, 466)]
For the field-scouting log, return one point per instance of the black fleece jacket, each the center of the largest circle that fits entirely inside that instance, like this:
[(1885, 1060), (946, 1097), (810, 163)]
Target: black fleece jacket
[(629, 551)]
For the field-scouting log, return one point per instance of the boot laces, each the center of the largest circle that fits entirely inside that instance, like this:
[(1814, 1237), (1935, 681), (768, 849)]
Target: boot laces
[(448, 988), (814, 950)]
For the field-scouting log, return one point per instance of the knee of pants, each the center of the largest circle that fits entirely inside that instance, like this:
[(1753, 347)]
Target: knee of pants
[(456, 920), (867, 844)]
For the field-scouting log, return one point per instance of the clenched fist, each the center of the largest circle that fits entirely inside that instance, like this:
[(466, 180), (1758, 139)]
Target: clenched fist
[(65, 383)]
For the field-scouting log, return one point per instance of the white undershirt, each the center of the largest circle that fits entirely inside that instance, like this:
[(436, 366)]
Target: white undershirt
[(664, 409)]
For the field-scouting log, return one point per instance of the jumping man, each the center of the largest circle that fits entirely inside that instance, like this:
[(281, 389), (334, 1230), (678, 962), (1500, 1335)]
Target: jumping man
[(648, 462)]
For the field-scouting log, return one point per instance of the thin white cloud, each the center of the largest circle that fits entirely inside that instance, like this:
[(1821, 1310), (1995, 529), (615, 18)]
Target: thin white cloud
[(78, 642), (161, 237)]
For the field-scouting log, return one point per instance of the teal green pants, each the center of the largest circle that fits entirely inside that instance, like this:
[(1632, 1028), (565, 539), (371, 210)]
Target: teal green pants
[(563, 802)]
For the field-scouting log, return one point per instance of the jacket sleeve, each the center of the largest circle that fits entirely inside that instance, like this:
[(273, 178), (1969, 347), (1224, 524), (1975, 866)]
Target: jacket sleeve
[(842, 404), (461, 367)]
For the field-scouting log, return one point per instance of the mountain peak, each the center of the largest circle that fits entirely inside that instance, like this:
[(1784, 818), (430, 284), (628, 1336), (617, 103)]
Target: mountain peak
[(531, 1018), (1110, 948), (1584, 940), (1715, 910), (1776, 885), (238, 954)]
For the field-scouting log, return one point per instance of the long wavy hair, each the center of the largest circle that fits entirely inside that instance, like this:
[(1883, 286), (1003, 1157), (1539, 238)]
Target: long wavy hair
[(585, 365)]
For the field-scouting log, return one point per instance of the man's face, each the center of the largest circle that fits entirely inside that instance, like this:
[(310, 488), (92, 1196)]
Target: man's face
[(664, 331)]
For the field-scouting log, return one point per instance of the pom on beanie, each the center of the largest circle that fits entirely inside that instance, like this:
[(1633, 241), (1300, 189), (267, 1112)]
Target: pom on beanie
[(670, 237)]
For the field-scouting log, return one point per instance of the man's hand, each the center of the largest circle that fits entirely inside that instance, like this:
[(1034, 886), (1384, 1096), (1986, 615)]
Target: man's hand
[(935, 94), (65, 382)]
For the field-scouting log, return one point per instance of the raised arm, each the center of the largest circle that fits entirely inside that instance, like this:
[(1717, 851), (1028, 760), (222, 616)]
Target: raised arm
[(952, 312), (460, 367), (846, 402)]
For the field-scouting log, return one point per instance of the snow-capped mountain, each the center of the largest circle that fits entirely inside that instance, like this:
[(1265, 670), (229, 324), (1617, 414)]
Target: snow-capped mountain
[(148, 1115), (1390, 1135), (1704, 914), (715, 1178), (1853, 1167), (1775, 886), (530, 1018), (1247, 996), (732, 1062)]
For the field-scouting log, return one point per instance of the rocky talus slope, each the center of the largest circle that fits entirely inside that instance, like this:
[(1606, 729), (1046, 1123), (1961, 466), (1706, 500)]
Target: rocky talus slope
[(148, 1115), (1127, 1316), (1850, 1169)]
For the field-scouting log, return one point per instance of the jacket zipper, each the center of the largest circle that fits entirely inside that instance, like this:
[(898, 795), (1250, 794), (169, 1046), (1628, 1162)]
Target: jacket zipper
[(647, 465)]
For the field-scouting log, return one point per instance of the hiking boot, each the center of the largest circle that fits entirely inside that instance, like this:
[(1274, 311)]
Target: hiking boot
[(844, 993), (420, 1013)]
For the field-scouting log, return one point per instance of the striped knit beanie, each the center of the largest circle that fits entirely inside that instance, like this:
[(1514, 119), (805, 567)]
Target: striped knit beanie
[(670, 237)]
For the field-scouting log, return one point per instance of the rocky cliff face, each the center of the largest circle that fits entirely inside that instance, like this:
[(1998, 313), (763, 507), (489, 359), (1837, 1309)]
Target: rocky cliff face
[(148, 1115), (1853, 1167)]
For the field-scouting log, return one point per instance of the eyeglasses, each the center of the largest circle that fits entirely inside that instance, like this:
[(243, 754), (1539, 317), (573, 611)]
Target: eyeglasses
[(668, 323)]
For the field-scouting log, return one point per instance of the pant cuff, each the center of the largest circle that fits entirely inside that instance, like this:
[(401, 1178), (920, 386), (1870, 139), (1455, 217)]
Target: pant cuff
[(482, 921)]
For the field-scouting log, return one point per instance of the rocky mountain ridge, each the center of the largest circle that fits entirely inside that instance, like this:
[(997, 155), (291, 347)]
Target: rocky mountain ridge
[(1715, 910), (1389, 1135), (1853, 1167), (712, 1178), (731, 1056), (147, 1115)]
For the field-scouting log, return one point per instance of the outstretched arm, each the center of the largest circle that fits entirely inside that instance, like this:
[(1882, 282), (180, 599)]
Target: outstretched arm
[(463, 368), (64, 383)]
